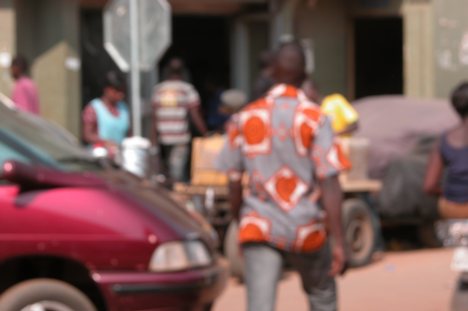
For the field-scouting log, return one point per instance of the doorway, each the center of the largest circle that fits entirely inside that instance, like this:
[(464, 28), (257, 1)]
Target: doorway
[(203, 42), (378, 44), (94, 58)]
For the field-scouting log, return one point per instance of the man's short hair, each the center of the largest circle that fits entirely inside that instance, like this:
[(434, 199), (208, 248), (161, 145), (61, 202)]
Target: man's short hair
[(21, 62), (115, 80), (294, 44), (460, 99)]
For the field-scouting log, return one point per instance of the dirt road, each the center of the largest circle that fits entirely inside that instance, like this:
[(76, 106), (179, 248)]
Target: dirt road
[(413, 281)]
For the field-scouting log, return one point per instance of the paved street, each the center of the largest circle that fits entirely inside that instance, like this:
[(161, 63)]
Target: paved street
[(415, 280)]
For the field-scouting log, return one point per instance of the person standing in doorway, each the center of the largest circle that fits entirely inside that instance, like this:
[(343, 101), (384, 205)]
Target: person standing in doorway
[(175, 104), (106, 120), (24, 94), (292, 207)]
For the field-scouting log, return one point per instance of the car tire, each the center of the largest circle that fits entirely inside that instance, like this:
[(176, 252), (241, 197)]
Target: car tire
[(52, 294), (359, 232), (232, 251)]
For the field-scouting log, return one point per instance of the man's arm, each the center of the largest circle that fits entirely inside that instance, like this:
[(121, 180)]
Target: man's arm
[(198, 120), (235, 198), (193, 98), (230, 161), (328, 165), (332, 199)]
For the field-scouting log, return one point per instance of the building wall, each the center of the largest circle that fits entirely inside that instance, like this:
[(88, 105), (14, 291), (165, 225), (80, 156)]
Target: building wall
[(326, 28), (328, 25), (418, 48), (48, 35), (7, 43), (451, 44)]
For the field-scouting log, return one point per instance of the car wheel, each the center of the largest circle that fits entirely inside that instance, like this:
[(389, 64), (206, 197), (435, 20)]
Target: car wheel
[(359, 232), (232, 251), (44, 295)]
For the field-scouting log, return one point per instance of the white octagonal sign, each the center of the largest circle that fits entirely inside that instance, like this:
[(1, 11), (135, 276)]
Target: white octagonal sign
[(154, 28)]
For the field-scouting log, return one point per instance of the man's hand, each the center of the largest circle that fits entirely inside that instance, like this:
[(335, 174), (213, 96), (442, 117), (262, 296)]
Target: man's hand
[(338, 264)]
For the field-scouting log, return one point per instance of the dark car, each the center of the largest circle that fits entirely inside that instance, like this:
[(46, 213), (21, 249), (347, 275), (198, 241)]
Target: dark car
[(75, 235)]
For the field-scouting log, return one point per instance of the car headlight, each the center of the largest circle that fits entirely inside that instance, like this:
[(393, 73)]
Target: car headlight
[(179, 255)]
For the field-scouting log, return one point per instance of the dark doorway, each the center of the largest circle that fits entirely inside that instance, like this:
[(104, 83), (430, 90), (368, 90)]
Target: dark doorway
[(95, 60), (378, 56), (203, 43)]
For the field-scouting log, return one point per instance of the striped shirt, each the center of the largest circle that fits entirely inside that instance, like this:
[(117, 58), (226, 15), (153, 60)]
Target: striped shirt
[(172, 101)]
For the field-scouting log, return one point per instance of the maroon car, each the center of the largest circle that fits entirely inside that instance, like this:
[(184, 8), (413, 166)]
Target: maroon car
[(76, 236)]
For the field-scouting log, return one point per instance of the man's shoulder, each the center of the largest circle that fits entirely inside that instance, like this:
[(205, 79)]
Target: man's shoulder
[(256, 104)]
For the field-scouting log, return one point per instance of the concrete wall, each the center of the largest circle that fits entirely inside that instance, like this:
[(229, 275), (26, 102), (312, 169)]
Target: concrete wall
[(418, 49), (48, 34), (451, 44), (7, 43), (327, 28)]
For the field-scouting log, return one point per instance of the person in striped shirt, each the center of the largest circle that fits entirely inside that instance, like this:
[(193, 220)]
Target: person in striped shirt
[(175, 104)]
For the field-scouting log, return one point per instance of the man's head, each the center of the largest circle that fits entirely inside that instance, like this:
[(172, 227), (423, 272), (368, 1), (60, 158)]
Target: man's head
[(460, 100), (289, 64), (19, 67), (175, 69), (114, 87)]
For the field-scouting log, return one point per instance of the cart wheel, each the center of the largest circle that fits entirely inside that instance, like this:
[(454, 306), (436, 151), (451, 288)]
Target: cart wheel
[(359, 232), (427, 235), (232, 251)]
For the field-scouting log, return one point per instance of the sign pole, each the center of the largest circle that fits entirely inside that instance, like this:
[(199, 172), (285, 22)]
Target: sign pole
[(135, 68)]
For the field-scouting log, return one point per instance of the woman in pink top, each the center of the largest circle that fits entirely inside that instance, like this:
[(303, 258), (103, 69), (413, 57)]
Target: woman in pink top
[(24, 93)]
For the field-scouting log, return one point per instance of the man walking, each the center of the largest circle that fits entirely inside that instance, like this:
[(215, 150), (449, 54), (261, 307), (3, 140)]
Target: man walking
[(175, 103), (286, 146)]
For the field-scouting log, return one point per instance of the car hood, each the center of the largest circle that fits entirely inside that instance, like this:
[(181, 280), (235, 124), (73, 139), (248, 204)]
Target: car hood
[(156, 201)]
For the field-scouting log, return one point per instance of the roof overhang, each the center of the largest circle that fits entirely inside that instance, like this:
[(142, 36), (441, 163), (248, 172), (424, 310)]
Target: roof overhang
[(202, 7), (208, 7)]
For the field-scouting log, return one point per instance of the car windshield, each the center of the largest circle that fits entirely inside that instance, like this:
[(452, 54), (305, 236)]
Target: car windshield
[(30, 139)]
